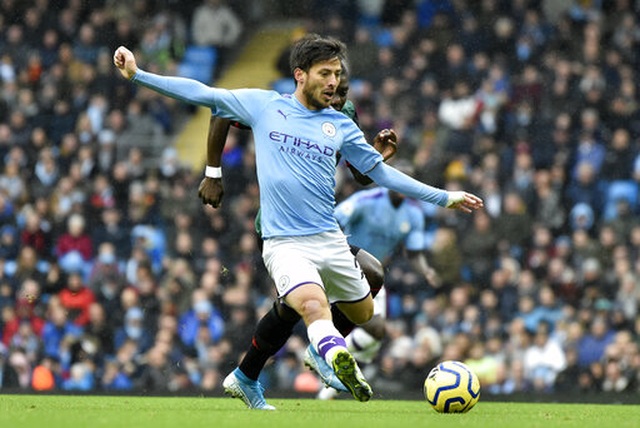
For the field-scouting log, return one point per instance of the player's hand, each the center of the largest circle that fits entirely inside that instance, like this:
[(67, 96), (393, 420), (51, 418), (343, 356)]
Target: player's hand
[(386, 143), (463, 201), (211, 191), (124, 59)]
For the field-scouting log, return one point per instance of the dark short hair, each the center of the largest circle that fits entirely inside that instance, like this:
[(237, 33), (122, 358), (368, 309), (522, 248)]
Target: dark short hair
[(313, 48)]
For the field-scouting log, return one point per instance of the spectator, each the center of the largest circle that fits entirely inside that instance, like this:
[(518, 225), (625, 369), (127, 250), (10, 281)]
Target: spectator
[(215, 24), (9, 242), (202, 316), (36, 232), (515, 224), (115, 378), (74, 248), (543, 360), (485, 366), (479, 249), (12, 183), (459, 112), (155, 375), (592, 346), (43, 378), (112, 229), (80, 378), (57, 329), (100, 331), (21, 365), (133, 331), (77, 299), (105, 267), (8, 374)]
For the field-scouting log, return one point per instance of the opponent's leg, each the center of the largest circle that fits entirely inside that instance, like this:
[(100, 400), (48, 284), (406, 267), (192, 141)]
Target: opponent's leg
[(365, 340), (374, 272)]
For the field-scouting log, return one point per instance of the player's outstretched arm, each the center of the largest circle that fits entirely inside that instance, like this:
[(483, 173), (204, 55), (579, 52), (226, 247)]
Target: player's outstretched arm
[(125, 61), (463, 201), (211, 189), (180, 88), (393, 179)]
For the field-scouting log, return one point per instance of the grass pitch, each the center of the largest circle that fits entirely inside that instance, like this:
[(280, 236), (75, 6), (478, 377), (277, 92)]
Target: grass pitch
[(50, 411)]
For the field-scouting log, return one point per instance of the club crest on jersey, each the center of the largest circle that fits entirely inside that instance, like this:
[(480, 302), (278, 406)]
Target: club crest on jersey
[(329, 129), (405, 227), (283, 283)]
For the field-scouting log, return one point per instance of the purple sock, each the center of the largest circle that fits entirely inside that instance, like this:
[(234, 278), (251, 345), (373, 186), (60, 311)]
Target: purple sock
[(329, 342)]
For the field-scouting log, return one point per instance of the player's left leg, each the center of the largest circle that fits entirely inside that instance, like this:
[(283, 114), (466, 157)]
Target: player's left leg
[(311, 272), (275, 328), (364, 342), (374, 273)]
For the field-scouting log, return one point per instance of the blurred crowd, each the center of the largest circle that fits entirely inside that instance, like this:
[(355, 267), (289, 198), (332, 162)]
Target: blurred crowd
[(114, 276)]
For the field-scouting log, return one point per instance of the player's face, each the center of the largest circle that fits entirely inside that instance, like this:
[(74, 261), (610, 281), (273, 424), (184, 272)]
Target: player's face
[(319, 84), (340, 97)]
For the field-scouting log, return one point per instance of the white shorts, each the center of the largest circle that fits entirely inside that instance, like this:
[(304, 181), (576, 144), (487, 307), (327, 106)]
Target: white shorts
[(323, 259)]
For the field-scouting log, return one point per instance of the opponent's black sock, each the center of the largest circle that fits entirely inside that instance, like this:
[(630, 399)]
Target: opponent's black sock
[(272, 332)]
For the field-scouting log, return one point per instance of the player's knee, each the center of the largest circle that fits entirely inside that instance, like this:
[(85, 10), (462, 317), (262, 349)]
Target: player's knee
[(312, 309)]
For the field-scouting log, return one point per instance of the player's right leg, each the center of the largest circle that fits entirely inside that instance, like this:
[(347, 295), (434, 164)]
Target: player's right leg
[(299, 267), (315, 362), (326, 340), (275, 328), (374, 273)]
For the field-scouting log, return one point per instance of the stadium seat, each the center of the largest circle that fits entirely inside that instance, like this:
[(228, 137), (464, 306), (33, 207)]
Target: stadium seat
[(620, 189), (198, 63)]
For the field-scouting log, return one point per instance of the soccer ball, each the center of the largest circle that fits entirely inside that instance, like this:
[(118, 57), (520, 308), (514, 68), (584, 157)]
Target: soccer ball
[(452, 387)]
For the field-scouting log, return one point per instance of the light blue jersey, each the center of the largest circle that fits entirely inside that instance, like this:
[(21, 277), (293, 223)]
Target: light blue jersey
[(371, 222), (295, 153)]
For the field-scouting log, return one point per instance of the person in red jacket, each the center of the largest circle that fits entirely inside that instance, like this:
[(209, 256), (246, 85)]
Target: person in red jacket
[(77, 298), (74, 248), (34, 234)]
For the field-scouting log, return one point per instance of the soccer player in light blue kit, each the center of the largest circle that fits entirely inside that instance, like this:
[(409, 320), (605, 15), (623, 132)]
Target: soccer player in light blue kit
[(297, 138)]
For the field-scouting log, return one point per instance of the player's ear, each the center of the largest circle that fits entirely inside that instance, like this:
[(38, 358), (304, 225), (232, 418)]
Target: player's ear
[(299, 75)]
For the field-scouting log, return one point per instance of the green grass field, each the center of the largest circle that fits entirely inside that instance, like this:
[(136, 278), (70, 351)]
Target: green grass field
[(49, 411)]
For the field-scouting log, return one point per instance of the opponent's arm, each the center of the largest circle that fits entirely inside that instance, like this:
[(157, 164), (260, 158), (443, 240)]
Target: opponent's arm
[(386, 143), (211, 189)]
